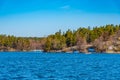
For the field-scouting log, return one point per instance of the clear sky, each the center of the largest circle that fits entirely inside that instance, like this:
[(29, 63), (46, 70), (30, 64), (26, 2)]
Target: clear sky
[(42, 17)]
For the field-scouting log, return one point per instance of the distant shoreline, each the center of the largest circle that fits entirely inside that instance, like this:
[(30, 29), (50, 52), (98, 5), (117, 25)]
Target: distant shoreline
[(67, 52), (99, 39)]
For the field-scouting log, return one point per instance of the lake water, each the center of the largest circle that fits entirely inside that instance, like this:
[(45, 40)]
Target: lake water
[(42, 66)]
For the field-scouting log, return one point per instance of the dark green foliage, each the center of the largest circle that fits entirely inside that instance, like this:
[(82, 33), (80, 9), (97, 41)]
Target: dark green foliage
[(11, 42), (47, 45), (55, 42), (69, 38)]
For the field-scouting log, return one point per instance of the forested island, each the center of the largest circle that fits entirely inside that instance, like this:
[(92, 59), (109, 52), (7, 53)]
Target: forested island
[(102, 38)]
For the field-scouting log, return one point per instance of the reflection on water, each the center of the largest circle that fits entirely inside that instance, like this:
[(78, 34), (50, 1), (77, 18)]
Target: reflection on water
[(40, 66)]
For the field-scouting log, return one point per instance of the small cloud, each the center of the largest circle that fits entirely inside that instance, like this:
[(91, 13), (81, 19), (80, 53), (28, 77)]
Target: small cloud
[(65, 7)]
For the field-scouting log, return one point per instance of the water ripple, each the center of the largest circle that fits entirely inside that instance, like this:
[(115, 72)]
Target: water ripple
[(38, 66)]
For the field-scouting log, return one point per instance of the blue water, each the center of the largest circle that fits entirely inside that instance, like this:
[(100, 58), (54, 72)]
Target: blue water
[(42, 66)]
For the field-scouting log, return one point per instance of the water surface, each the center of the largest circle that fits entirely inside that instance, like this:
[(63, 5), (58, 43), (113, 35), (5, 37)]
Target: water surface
[(62, 66)]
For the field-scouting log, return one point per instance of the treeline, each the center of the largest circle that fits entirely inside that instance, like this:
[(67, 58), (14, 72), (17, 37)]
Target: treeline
[(61, 40), (12, 43), (80, 37)]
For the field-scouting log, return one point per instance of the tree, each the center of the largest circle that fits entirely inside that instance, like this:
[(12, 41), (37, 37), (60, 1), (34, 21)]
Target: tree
[(47, 45), (69, 38)]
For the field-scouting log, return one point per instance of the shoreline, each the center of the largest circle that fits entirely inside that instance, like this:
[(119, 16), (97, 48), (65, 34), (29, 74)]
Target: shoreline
[(69, 52)]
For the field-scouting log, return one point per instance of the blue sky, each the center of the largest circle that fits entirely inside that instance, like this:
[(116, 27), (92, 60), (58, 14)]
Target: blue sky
[(42, 17)]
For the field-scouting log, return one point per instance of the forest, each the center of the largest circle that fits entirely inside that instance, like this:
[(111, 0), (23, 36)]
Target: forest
[(103, 38)]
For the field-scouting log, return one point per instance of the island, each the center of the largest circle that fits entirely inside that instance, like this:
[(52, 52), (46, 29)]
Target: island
[(100, 38)]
